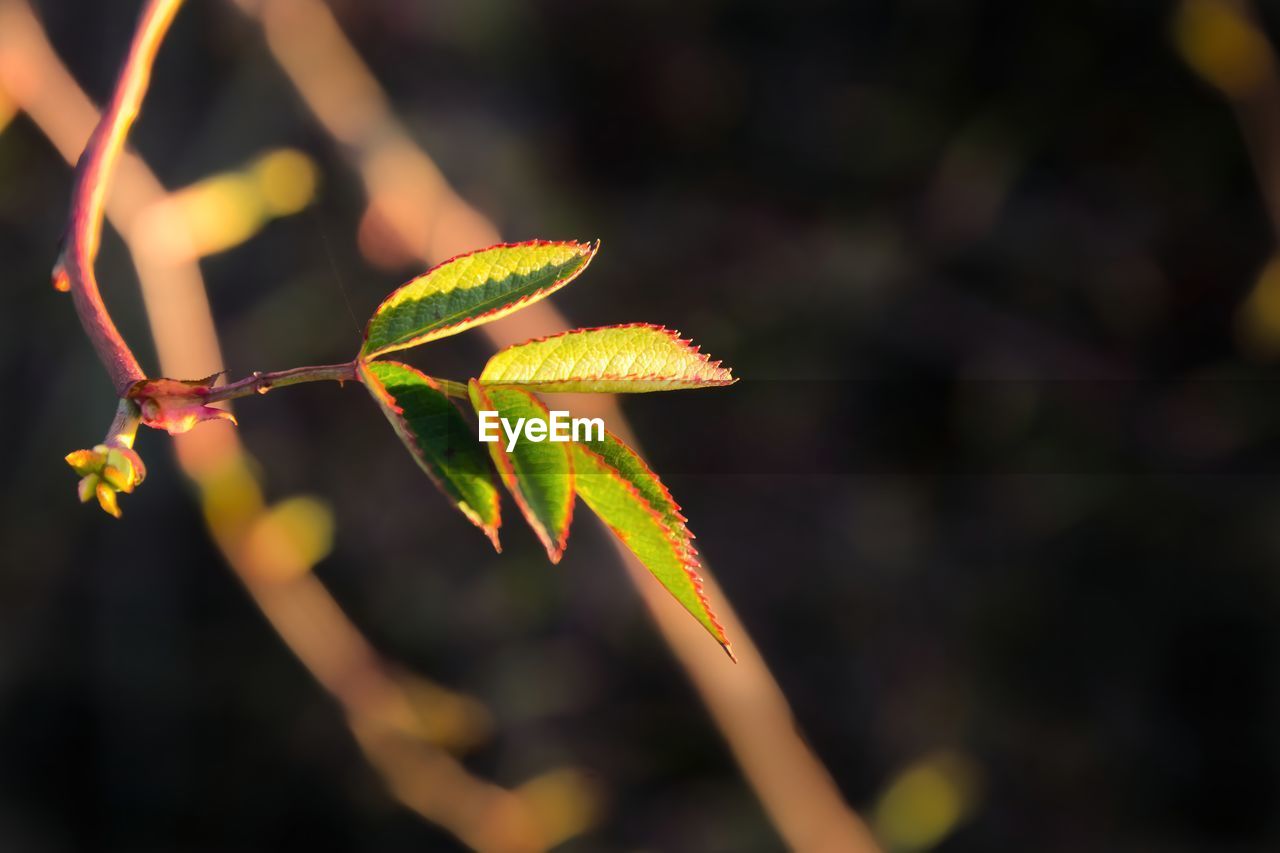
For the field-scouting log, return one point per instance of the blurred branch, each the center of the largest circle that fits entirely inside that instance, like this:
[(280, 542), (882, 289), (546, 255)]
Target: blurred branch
[(395, 717), (412, 209), (927, 800), (8, 109), (223, 210), (1221, 40)]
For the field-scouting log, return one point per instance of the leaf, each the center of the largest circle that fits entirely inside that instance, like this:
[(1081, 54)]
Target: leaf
[(616, 454), (539, 475), (440, 439), (633, 359), (620, 488), (472, 289)]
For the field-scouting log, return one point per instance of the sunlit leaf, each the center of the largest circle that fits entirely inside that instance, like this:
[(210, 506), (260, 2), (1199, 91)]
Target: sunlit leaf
[(620, 488), (616, 454), (539, 475), (613, 359), (472, 289), (440, 439)]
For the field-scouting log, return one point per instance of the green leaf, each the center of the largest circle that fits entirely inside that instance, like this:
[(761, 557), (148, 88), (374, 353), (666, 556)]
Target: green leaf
[(620, 488), (472, 289), (613, 359), (439, 437), (538, 475)]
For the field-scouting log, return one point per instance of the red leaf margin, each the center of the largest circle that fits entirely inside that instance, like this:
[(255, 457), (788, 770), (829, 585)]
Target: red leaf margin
[(506, 470), (407, 438), (673, 334), (680, 539), (589, 250)]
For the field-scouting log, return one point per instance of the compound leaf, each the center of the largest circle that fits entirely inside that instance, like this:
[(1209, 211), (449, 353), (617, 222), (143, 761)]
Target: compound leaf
[(472, 289), (634, 358), (539, 475), (439, 437), (620, 488)]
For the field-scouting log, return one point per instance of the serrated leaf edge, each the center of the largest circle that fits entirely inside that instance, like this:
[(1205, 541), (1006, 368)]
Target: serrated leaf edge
[(407, 438), (507, 473), (673, 334), (589, 252), (680, 540)]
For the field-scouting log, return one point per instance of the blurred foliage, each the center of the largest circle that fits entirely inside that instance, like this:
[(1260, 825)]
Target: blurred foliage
[(982, 265)]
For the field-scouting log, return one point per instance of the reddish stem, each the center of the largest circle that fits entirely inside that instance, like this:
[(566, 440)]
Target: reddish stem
[(261, 383), (88, 196)]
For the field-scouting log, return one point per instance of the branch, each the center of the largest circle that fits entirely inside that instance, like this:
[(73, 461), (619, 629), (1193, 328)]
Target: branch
[(260, 383), (413, 206), (74, 270), (400, 721), (1224, 42)]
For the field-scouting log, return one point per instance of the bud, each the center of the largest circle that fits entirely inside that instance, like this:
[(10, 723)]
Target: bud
[(176, 405), (106, 471)]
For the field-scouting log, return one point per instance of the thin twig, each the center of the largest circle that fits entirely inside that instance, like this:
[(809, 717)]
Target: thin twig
[(261, 383), (124, 426)]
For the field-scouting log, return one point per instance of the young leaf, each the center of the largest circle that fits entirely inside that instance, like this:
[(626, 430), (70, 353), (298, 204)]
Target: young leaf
[(472, 289), (620, 488), (616, 454), (613, 359), (539, 475), (440, 439)]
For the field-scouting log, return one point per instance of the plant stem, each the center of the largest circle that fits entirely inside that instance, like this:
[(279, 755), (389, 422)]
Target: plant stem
[(261, 383), (124, 428), (457, 390), (88, 197)]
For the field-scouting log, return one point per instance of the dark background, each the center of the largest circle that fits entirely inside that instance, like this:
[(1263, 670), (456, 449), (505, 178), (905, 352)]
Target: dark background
[(1000, 478)]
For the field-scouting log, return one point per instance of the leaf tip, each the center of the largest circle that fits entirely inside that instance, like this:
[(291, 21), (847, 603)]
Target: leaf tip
[(555, 546), (491, 531)]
